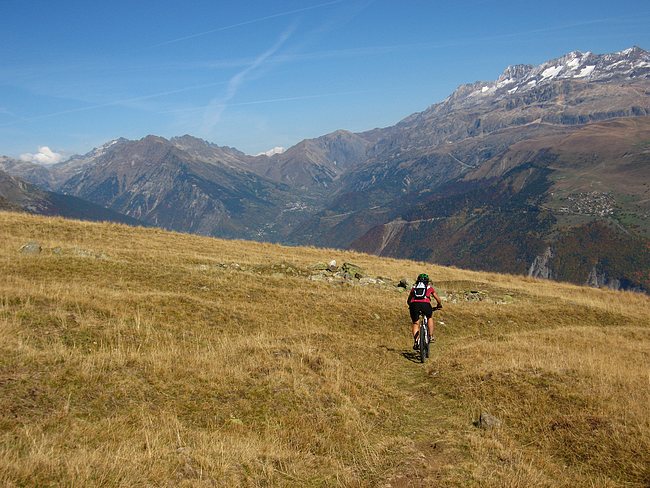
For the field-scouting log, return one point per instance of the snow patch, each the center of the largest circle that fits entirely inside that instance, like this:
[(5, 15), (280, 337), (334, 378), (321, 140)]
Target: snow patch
[(512, 90), (552, 72), (586, 71), (574, 63), (272, 152)]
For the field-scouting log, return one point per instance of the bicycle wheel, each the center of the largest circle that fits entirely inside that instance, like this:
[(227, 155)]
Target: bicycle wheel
[(424, 346), (427, 342)]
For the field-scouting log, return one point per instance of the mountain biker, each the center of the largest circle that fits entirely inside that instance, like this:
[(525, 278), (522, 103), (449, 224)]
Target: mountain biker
[(419, 300)]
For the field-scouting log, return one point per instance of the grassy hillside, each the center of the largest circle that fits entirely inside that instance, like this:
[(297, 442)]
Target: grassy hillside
[(138, 357)]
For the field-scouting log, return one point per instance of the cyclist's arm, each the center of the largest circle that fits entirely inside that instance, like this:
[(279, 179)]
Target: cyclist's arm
[(408, 300), (435, 295)]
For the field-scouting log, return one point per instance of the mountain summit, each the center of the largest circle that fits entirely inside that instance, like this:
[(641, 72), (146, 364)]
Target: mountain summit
[(625, 65), (542, 171)]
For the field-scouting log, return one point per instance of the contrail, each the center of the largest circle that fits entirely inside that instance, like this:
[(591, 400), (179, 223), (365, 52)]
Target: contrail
[(113, 103), (303, 97), (269, 100), (215, 108), (247, 22)]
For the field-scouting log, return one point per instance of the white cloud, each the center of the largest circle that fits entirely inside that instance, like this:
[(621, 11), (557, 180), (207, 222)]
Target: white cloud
[(44, 156)]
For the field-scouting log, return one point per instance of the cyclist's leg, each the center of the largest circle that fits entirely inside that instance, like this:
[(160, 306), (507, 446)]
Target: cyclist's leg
[(413, 312), (431, 327), (430, 324)]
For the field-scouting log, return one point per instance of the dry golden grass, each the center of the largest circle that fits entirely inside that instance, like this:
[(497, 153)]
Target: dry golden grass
[(138, 357)]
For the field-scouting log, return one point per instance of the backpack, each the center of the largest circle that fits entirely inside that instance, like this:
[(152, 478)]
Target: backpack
[(420, 290)]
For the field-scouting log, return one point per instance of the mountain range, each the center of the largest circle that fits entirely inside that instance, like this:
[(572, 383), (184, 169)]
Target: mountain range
[(543, 171), (18, 195)]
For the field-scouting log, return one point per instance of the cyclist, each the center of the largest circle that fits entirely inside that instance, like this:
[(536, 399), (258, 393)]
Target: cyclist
[(419, 300)]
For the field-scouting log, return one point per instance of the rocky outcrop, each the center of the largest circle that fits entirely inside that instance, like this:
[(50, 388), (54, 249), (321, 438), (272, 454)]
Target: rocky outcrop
[(599, 279), (541, 265), (32, 247)]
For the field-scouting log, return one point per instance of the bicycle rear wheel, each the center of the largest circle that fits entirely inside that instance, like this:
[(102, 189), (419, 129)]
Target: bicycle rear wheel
[(428, 339), (424, 342)]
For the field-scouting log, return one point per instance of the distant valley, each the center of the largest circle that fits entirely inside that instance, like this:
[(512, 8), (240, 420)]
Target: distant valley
[(545, 172)]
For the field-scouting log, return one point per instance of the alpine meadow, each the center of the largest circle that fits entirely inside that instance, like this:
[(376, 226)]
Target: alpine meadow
[(140, 357), (219, 222)]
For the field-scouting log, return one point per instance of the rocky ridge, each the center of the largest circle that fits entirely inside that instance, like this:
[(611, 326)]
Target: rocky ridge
[(19, 195), (470, 171)]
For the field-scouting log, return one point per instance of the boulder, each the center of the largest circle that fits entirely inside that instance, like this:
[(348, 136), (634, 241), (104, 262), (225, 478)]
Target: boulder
[(318, 267), (31, 247), (353, 270), (488, 422), (404, 283)]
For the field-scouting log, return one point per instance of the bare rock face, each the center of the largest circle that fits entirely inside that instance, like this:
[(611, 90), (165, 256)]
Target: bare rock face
[(540, 267), (599, 279)]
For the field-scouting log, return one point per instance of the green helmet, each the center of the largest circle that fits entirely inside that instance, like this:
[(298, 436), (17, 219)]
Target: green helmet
[(423, 277)]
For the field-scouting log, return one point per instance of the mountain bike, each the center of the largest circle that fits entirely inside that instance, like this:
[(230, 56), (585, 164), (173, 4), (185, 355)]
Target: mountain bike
[(423, 345)]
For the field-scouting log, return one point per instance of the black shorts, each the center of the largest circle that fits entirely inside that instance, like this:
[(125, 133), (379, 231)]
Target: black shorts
[(416, 307)]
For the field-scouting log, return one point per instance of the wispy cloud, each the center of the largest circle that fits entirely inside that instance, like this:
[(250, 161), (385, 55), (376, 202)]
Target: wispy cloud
[(247, 22), (360, 52), (217, 105)]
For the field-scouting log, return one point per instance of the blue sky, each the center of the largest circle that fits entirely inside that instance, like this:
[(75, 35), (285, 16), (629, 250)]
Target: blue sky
[(257, 74)]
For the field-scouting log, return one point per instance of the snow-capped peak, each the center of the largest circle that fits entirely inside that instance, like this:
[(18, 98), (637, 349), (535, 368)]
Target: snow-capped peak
[(101, 150), (272, 152), (628, 64)]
